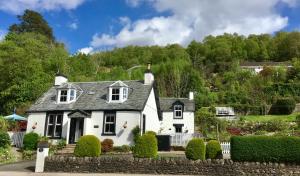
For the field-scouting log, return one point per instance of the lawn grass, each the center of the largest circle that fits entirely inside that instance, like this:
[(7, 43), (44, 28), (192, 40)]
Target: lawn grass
[(265, 118)]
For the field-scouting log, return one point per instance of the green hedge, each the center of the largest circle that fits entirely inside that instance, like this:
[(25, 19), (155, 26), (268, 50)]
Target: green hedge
[(213, 149), (146, 146), (4, 139), (195, 149), (283, 106), (88, 145), (30, 141), (265, 149)]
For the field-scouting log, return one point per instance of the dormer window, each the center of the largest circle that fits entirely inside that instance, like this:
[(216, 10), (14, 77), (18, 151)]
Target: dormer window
[(118, 92), (178, 111), (66, 95), (63, 95), (115, 94)]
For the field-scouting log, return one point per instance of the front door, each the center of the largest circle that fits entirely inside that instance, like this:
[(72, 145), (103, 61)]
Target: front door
[(76, 129)]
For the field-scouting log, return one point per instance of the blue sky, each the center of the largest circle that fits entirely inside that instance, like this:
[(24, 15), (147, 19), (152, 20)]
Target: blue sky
[(91, 25)]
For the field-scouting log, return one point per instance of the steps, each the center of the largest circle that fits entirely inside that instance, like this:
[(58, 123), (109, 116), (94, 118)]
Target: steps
[(68, 150)]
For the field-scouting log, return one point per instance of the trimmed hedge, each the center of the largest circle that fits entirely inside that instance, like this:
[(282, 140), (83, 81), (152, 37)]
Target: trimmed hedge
[(195, 149), (107, 145), (30, 141), (213, 149), (146, 146), (283, 106), (265, 149), (4, 139), (88, 145)]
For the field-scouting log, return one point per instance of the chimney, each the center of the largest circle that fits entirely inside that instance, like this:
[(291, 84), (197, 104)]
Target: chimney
[(191, 95), (148, 75), (60, 79)]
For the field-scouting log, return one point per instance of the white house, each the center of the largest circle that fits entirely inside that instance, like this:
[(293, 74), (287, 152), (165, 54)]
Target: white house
[(108, 109), (226, 113), (256, 67)]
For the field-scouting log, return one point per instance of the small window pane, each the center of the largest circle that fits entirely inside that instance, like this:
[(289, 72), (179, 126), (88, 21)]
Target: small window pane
[(51, 119), (58, 131), (115, 94), (59, 119), (50, 130)]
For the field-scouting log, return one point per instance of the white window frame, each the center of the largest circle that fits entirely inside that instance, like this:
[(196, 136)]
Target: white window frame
[(54, 124), (180, 109), (60, 96), (178, 127), (115, 94), (105, 122), (125, 93), (72, 97)]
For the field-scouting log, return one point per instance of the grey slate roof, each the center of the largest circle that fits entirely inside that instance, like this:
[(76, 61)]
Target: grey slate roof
[(166, 104), (93, 97)]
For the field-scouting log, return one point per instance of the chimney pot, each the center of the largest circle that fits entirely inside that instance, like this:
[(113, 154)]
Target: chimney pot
[(191, 95)]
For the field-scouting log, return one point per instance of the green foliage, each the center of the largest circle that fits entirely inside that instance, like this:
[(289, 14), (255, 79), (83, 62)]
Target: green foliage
[(61, 144), (136, 131), (3, 124), (213, 149), (32, 21), (151, 132), (122, 149), (30, 141), (88, 145), (4, 139), (283, 106), (146, 147), (195, 149), (298, 120), (6, 155), (107, 145), (265, 149), (28, 155)]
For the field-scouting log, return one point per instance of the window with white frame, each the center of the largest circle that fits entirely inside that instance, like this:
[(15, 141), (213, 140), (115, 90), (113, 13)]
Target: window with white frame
[(109, 123), (115, 94), (63, 96), (178, 128), (54, 125), (72, 94), (125, 93), (177, 111)]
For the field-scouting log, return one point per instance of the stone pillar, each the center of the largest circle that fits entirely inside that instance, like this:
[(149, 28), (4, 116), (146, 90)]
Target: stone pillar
[(42, 153)]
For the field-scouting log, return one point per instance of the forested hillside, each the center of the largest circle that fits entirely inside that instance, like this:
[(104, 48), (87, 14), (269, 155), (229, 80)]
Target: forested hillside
[(30, 56)]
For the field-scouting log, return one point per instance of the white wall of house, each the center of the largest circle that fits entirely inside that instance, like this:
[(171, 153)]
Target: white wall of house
[(37, 120), (150, 110), (123, 135), (167, 125)]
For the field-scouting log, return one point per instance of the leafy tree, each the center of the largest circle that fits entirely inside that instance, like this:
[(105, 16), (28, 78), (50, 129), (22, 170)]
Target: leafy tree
[(32, 21)]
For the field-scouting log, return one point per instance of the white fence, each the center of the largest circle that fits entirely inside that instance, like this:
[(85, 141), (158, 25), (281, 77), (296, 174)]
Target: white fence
[(225, 147), (16, 138), (181, 139)]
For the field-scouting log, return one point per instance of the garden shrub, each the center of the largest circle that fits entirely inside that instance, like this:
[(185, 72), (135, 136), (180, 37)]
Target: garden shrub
[(283, 106), (298, 120), (4, 139), (146, 146), (213, 149), (195, 149), (61, 144), (122, 149), (30, 141), (151, 132), (6, 155), (107, 145), (265, 149), (88, 145), (136, 133), (3, 124), (28, 155)]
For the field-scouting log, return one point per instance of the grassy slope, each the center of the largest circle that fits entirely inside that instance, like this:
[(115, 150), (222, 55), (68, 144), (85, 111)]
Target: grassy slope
[(264, 118)]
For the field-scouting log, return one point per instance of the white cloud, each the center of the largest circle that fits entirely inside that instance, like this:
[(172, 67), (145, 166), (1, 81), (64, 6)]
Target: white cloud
[(73, 26), (133, 3), (194, 19), (86, 50), (18, 6)]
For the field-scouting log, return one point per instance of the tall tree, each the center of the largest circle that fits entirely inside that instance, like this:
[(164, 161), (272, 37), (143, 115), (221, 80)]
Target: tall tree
[(32, 21)]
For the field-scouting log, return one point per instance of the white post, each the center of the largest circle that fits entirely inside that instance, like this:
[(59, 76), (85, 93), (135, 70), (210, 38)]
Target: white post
[(42, 153)]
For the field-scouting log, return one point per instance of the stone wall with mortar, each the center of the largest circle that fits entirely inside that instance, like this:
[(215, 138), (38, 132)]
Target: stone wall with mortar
[(182, 166)]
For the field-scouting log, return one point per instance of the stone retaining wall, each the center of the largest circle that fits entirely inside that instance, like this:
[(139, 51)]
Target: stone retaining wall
[(126, 164)]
